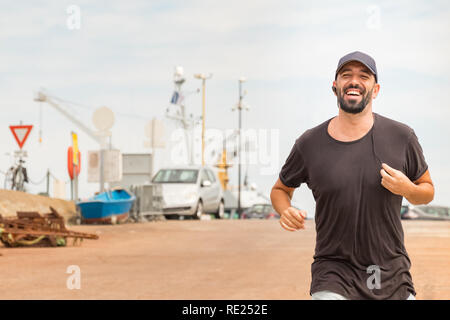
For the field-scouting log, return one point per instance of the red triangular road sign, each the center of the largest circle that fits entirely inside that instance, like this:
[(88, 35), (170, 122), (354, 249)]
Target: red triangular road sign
[(21, 133)]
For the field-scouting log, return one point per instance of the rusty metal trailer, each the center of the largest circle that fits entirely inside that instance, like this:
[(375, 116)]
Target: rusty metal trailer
[(33, 229)]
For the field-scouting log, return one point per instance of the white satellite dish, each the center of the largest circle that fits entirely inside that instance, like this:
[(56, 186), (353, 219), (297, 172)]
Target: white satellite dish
[(103, 119)]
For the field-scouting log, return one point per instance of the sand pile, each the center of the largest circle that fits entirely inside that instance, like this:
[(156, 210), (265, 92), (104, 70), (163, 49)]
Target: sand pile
[(13, 201)]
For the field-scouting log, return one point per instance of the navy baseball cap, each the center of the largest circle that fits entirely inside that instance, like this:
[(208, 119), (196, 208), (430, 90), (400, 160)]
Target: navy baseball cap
[(365, 59)]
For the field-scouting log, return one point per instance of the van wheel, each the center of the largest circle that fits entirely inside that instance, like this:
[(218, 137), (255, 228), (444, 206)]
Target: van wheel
[(220, 211), (198, 213)]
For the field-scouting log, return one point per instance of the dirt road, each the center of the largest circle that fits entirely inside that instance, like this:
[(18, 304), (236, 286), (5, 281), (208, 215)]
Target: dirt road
[(217, 259)]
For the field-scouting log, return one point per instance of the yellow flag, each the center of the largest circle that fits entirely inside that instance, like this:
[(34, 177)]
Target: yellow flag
[(75, 148)]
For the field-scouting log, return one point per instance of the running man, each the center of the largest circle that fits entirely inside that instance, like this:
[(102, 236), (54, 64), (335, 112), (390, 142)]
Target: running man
[(359, 166)]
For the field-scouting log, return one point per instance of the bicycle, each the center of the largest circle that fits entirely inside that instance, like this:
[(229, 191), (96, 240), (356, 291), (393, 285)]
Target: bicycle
[(16, 177)]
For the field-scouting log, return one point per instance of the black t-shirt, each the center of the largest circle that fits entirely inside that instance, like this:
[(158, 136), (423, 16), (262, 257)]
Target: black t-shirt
[(357, 220)]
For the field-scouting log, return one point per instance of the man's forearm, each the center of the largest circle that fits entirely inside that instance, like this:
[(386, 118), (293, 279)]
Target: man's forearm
[(280, 200), (421, 193)]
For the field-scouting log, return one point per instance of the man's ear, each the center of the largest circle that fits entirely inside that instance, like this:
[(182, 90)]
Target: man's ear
[(333, 87), (376, 90)]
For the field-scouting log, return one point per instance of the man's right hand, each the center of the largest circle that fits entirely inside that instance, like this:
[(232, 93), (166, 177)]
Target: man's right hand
[(293, 219)]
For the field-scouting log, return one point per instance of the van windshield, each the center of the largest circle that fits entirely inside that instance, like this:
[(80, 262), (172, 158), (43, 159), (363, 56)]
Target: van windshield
[(176, 176)]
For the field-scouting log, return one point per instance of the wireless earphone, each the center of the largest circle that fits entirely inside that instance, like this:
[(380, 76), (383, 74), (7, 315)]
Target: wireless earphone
[(334, 89)]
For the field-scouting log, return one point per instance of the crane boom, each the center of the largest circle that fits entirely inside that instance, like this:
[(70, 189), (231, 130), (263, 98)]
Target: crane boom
[(42, 97), (101, 139)]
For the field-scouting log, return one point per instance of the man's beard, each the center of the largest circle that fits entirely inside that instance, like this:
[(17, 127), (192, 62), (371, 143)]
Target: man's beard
[(354, 107)]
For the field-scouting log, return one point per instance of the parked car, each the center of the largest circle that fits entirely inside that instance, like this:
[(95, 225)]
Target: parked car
[(403, 210), (425, 212), (260, 211), (190, 191)]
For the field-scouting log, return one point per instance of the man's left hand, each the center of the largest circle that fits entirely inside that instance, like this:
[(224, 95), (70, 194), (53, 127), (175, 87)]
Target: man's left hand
[(395, 181)]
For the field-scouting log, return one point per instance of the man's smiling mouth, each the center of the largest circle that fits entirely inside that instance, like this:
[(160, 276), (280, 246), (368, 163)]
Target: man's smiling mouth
[(353, 92)]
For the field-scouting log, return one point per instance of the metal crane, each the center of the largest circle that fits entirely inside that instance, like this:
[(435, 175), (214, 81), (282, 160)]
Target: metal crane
[(42, 97), (101, 139)]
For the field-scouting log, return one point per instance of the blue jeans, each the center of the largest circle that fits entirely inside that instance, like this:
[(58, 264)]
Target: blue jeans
[(328, 295)]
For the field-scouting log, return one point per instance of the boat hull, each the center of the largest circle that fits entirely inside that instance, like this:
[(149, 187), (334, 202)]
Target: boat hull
[(116, 218), (108, 207)]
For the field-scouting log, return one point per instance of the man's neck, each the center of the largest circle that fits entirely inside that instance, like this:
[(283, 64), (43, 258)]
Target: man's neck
[(353, 124)]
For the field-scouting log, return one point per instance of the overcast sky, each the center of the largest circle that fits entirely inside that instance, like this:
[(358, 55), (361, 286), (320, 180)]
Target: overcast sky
[(124, 53)]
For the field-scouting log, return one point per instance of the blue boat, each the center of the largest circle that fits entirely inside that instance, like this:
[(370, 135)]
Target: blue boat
[(107, 207)]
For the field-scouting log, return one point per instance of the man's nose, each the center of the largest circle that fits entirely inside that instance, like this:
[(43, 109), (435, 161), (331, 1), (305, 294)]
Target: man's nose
[(354, 81)]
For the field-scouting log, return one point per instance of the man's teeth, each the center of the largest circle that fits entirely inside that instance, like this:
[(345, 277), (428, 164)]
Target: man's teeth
[(353, 93)]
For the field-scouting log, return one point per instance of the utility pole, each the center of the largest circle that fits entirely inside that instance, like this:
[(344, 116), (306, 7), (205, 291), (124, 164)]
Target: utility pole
[(240, 106), (203, 77)]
